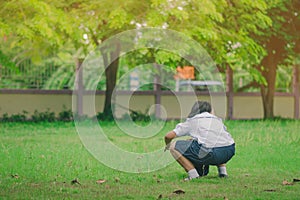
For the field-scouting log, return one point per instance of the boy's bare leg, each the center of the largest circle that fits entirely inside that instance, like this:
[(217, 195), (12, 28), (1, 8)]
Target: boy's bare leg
[(184, 162)]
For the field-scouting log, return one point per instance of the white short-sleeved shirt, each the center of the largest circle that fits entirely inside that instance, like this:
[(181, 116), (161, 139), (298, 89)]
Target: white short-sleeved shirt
[(207, 129)]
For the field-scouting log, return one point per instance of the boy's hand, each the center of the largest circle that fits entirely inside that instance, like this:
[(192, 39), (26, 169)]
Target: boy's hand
[(167, 147)]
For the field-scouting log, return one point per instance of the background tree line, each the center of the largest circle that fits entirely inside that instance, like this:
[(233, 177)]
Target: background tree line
[(259, 37)]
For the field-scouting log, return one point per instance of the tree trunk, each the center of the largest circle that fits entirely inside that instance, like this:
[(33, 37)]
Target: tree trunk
[(296, 73), (229, 91), (111, 60), (275, 50), (268, 91), (79, 87)]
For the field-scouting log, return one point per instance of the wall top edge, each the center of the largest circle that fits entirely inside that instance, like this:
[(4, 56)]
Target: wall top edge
[(102, 92)]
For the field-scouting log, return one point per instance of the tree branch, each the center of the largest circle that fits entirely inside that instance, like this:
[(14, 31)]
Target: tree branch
[(249, 85)]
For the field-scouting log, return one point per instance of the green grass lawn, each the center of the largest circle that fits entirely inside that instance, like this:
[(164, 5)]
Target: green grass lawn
[(39, 161)]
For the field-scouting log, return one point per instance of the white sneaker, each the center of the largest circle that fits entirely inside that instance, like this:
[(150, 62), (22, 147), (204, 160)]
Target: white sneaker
[(189, 178)]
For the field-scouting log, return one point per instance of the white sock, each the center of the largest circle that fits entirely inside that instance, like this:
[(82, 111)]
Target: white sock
[(193, 173), (222, 170)]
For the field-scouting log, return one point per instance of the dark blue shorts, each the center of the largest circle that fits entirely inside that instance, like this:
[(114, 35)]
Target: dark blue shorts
[(200, 155)]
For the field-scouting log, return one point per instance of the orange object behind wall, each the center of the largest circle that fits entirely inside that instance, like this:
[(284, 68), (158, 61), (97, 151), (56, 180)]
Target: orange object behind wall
[(186, 72)]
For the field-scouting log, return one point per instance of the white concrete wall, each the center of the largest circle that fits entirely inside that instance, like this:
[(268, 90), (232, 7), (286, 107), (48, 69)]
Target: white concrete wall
[(244, 106)]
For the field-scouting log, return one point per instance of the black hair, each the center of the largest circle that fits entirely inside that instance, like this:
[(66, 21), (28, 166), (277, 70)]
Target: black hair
[(200, 107)]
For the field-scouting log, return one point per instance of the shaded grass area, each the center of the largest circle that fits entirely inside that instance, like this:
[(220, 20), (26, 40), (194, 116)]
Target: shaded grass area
[(39, 161)]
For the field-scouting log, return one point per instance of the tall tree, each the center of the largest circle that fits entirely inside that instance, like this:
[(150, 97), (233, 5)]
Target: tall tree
[(281, 42), (242, 20), (111, 17), (260, 35)]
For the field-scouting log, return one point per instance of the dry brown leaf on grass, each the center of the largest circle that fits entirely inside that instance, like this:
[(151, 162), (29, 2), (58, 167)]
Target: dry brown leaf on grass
[(179, 192), (75, 181), (173, 194), (287, 183), (16, 176), (100, 181), (270, 190), (156, 179)]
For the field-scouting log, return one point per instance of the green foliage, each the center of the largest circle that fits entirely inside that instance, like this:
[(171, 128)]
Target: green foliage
[(46, 116), (62, 78), (22, 117), (35, 29), (257, 76), (284, 78), (118, 18), (140, 116), (27, 75), (6, 62), (136, 116), (65, 115), (105, 117)]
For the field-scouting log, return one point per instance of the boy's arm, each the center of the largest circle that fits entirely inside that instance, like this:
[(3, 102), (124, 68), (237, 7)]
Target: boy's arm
[(168, 138)]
